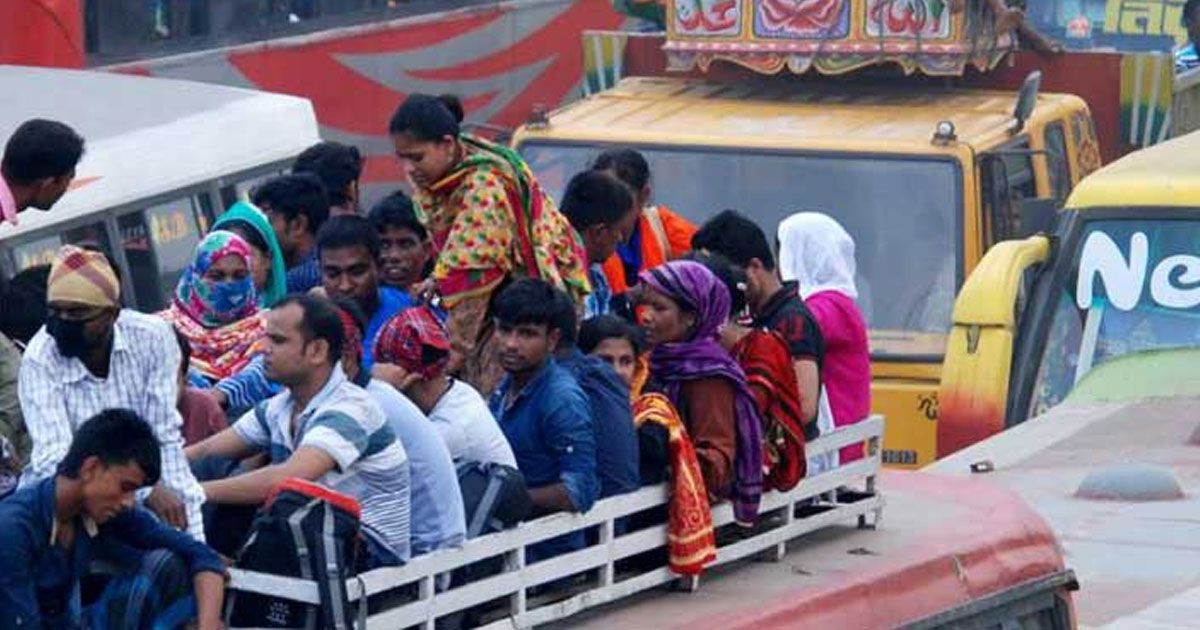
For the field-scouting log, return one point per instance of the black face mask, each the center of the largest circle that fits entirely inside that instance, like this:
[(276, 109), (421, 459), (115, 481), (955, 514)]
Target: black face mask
[(68, 334)]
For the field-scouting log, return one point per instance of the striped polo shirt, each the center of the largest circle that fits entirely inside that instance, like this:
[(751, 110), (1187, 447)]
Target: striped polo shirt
[(344, 422)]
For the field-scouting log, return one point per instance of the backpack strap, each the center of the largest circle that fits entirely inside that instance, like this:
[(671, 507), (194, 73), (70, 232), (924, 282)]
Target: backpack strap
[(480, 519), (303, 553), (654, 219), (330, 580)]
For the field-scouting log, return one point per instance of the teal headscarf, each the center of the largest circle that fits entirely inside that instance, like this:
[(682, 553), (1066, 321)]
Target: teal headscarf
[(277, 282)]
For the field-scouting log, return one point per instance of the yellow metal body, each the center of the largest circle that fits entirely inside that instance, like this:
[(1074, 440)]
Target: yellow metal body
[(975, 388), (975, 377), (847, 118)]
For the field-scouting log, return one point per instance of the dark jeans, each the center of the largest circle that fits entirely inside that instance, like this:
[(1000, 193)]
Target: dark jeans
[(225, 526), (155, 594)]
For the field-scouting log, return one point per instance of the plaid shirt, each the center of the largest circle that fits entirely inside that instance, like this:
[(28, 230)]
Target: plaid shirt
[(58, 393)]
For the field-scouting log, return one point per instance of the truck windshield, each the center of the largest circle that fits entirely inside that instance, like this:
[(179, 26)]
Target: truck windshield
[(903, 213), (1132, 286)]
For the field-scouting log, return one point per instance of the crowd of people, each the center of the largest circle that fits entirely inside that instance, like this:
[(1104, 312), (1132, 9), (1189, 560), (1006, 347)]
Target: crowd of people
[(585, 346)]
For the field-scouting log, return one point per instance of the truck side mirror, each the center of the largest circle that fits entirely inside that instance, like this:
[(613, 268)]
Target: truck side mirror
[(1027, 99)]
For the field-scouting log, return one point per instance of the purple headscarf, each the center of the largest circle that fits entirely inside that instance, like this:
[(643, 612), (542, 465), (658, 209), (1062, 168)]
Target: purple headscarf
[(693, 286)]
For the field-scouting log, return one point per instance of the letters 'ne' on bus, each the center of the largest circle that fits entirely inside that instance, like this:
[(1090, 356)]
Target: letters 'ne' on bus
[(163, 158)]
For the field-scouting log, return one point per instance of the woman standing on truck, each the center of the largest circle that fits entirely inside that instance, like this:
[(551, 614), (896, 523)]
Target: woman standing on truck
[(685, 306), (816, 251), (660, 236), (489, 221)]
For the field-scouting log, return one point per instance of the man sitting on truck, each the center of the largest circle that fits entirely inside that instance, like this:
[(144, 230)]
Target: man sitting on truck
[(774, 304), (601, 210), (339, 166), (542, 410), (321, 428), (92, 355), (349, 253), (55, 528), (38, 166), (297, 206)]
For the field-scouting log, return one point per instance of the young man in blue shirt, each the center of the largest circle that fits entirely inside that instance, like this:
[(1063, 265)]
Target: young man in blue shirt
[(55, 528), (406, 254), (608, 397), (349, 249), (297, 205), (542, 410)]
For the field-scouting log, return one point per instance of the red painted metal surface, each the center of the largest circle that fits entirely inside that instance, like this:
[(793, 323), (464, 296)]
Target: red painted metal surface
[(41, 33), (500, 59), (994, 542)]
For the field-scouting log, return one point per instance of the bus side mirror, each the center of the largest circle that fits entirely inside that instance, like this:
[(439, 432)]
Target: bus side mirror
[(1037, 216)]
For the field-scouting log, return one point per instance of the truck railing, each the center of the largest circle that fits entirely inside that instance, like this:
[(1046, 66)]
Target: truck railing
[(415, 598)]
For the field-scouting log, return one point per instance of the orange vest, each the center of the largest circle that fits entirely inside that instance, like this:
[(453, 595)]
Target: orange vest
[(664, 236)]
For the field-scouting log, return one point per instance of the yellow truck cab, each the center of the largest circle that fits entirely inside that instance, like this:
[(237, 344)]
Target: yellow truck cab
[(924, 177), (1119, 274)]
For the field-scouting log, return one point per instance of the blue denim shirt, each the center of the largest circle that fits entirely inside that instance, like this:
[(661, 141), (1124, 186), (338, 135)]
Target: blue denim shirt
[(599, 301), (616, 438), (549, 426), (39, 582), (391, 302)]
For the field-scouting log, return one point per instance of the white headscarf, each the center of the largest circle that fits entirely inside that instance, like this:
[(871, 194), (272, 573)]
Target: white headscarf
[(817, 252)]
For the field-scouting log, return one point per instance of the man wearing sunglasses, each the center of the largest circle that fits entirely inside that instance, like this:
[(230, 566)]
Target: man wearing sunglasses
[(91, 356)]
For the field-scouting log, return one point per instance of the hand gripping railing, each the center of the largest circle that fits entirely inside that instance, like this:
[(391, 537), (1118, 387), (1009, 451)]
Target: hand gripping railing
[(842, 494)]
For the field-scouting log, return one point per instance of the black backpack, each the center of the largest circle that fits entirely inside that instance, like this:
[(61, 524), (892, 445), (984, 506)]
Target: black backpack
[(306, 531), (494, 497)]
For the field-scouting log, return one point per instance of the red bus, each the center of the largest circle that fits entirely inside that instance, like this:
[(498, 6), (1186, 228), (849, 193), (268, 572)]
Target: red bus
[(354, 59)]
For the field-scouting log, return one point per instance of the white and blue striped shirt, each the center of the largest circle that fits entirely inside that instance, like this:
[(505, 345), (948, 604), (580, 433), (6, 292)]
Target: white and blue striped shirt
[(345, 423)]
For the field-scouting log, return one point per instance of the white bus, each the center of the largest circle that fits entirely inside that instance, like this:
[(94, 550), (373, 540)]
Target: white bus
[(163, 159)]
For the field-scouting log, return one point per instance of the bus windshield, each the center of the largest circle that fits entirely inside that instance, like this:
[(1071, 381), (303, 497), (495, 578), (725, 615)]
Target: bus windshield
[(1132, 286), (903, 212)]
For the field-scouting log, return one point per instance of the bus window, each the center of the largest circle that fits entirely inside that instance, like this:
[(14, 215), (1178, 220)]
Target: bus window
[(41, 251), (241, 191), (1007, 179), (174, 235), (1125, 292), (136, 244), (33, 253), (90, 236), (1058, 163), (139, 29), (204, 211), (1019, 167)]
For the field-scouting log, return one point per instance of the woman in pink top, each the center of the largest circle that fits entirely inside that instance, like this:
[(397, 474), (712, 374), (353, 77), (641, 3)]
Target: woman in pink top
[(817, 252)]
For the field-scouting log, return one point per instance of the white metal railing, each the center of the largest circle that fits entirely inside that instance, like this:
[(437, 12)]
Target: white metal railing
[(811, 505)]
